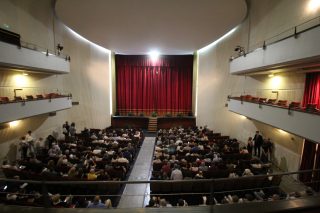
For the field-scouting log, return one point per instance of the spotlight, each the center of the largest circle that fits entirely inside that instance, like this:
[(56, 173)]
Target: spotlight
[(59, 48), (154, 55), (240, 50)]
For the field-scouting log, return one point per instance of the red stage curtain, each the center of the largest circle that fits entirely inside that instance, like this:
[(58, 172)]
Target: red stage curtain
[(312, 89), (163, 86), (307, 161)]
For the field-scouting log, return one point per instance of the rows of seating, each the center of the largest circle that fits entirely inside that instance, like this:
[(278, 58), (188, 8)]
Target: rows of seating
[(90, 155), (310, 107), (6, 100), (214, 156)]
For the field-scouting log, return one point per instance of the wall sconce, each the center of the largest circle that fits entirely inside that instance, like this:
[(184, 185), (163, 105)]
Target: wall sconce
[(13, 124), (15, 92)]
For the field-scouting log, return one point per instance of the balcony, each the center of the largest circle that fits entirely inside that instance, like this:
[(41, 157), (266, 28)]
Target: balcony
[(294, 120), (32, 58), (20, 108), (297, 47)]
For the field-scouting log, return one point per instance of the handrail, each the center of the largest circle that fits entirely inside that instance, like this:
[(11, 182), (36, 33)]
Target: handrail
[(277, 106), (288, 33), (153, 181)]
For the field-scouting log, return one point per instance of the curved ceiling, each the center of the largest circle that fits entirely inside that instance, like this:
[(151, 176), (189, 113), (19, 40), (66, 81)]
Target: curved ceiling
[(139, 26)]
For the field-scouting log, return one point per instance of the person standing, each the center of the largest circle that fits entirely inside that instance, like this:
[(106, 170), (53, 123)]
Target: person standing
[(250, 146), (258, 141), (267, 147)]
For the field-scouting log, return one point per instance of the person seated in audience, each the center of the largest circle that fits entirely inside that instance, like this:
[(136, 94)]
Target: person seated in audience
[(93, 136), (166, 168), (122, 159), (186, 172), (216, 158), (243, 150), (165, 176), (247, 172), (203, 167), (104, 175), (54, 151), (33, 159), (108, 204), (264, 157), (199, 175), (56, 201), (274, 197), (50, 140), (163, 203), (176, 173), (204, 201), (151, 204), (127, 154), (233, 175), (226, 149), (232, 199), (260, 195), (248, 198), (96, 203), (157, 160), (182, 203), (194, 167), (72, 173), (92, 175), (50, 170), (173, 159)]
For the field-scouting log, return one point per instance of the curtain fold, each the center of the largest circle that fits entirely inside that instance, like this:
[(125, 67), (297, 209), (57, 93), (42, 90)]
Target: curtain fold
[(312, 90), (146, 86), (307, 161)]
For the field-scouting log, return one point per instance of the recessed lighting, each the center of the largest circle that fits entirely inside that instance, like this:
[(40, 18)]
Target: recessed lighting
[(154, 55)]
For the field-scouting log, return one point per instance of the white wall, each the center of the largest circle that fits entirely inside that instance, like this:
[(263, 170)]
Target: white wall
[(266, 19), (88, 80)]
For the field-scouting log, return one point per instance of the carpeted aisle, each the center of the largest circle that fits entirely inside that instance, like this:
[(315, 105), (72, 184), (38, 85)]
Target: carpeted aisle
[(134, 194)]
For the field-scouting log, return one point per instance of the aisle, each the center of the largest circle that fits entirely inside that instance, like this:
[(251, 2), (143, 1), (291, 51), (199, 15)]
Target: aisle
[(133, 194)]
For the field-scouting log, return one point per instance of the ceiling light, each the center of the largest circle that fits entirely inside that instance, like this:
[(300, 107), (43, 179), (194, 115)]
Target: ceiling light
[(271, 75), (154, 55), (25, 74)]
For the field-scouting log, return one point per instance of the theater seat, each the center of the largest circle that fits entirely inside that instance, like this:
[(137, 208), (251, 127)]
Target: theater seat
[(255, 99), (311, 107), (295, 105), (262, 100), (18, 98), (4, 100), (271, 101), (282, 103), (39, 96), (29, 97)]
